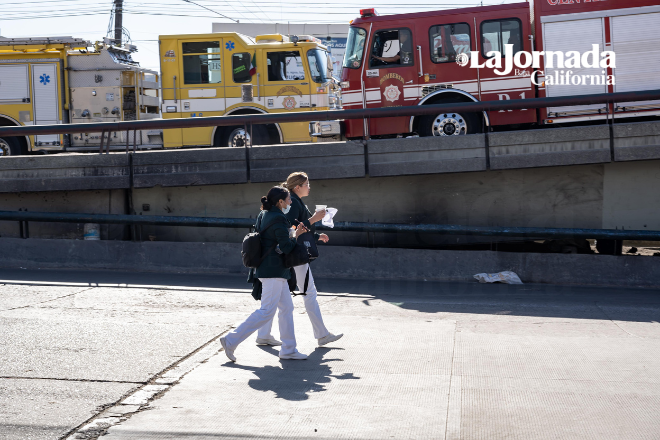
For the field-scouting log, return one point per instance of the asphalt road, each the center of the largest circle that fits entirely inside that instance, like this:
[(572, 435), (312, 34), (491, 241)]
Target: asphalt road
[(135, 356)]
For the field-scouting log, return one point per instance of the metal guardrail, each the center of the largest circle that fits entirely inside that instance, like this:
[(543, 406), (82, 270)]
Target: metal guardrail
[(158, 220), (331, 115)]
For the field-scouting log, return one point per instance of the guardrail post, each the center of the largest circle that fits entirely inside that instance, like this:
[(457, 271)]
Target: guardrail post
[(486, 143), (101, 144), (611, 127), (24, 229), (129, 198), (107, 145), (134, 140)]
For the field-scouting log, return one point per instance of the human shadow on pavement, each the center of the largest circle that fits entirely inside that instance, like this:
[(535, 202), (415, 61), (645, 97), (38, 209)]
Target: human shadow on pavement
[(295, 379)]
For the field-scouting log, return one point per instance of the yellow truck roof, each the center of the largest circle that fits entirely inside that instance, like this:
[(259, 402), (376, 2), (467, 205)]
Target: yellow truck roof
[(248, 41)]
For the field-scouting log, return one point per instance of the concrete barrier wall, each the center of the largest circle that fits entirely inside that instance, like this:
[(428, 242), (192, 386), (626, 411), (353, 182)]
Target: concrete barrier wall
[(332, 160), (545, 197), (344, 262), (549, 147), (637, 141), (63, 172), (327, 160), (212, 166), (451, 154)]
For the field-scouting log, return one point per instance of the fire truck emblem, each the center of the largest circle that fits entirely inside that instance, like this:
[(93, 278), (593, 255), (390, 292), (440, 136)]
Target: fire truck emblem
[(289, 103), (462, 59), (391, 93)]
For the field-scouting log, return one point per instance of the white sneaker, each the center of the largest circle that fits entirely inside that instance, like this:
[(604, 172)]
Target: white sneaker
[(296, 355), (329, 338), (228, 352), (269, 341)]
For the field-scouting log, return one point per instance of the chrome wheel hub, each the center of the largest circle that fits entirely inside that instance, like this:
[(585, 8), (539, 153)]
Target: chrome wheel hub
[(239, 138), (449, 124), (4, 148)]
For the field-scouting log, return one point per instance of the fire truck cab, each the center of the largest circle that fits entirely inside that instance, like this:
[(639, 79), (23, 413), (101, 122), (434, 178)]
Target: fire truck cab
[(449, 56), (232, 74)]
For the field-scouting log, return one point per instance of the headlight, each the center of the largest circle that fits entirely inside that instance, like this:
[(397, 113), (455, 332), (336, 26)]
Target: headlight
[(344, 84)]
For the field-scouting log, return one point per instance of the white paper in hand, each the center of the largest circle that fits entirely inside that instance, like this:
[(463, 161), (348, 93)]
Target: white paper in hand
[(329, 214)]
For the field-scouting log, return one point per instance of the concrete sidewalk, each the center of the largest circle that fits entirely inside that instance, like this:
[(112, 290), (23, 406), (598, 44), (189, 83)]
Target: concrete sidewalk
[(434, 361)]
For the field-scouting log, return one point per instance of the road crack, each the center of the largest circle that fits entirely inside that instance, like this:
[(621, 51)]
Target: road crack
[(47, 301), (74, 380)]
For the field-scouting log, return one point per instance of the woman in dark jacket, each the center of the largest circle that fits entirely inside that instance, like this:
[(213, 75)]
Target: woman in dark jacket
[(273, 227), (298, 184)]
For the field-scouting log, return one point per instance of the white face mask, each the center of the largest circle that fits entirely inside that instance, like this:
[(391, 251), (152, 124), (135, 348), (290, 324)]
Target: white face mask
[(286, 210)]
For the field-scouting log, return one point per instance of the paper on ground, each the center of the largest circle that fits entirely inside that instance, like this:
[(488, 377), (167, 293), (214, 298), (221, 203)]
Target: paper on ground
[(506, 277)]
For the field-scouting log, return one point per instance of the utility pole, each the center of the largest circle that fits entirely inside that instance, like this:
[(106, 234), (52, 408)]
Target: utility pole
[(118, 22)]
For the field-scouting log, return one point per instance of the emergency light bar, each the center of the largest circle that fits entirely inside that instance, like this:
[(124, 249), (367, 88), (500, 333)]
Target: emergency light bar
[(370, 12), (309, 38)]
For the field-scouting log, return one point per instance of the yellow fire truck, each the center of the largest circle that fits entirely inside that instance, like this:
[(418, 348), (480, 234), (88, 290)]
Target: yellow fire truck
[(233, 74), (64, 80)]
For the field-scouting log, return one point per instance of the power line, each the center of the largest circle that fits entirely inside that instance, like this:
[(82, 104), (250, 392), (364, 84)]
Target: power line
[(215, 12)]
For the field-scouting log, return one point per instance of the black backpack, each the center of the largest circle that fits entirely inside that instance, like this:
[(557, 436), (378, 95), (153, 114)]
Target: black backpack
[(252, 252)]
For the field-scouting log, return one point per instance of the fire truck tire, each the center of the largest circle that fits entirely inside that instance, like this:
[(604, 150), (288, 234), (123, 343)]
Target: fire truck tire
[(450, 124), (233, 137), (10, 146)]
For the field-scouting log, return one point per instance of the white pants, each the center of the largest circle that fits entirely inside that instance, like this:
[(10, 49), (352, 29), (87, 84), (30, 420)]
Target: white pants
[(274, 295), (311, 305)]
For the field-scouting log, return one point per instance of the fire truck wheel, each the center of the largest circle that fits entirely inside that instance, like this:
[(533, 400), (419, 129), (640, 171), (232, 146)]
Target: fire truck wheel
[(450, 124), (10, 147), (237, 137)]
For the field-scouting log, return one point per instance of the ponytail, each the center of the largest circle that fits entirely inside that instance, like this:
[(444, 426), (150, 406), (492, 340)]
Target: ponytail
[(295, 179), (275, 194)]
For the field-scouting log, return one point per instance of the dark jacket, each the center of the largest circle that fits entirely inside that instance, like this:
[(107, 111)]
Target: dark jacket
[(273, 264), (300, 213)]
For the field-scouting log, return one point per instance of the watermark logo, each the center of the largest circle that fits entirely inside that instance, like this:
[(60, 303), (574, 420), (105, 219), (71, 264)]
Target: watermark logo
[(557, 60), (462, 59)]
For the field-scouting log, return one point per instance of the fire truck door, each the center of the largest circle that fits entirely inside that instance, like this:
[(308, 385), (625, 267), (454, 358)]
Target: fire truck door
[(494, 36), (45, 99), (447, 42), (287, 88), (390, 76), (202, 86)]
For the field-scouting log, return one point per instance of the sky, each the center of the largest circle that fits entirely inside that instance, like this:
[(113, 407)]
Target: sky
[(145, 20)]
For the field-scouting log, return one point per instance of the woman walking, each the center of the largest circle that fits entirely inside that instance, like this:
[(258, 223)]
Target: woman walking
[(299, 186), (273, 276)]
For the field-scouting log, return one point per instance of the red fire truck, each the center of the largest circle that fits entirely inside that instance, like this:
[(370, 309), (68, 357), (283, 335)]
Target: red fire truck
[(461, 55)]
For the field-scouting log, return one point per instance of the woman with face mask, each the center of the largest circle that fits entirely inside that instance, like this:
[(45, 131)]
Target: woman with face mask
[(298, 184), (273, 276)]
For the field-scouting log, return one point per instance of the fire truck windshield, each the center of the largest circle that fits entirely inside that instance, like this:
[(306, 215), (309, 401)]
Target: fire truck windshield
[(354, 47), (318, 65)]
